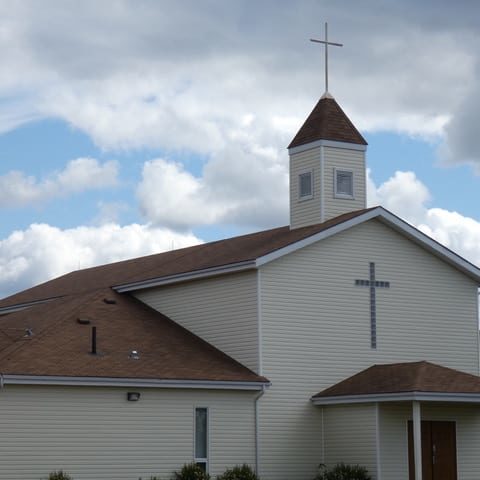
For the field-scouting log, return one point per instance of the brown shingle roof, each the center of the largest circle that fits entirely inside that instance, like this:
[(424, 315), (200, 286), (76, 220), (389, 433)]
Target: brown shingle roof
[(405, 377), (60, 346), (327, 121), (213, 254)]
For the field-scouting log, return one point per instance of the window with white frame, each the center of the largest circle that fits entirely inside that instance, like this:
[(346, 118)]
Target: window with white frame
[(343, 183), (201, 437), (305, 185)]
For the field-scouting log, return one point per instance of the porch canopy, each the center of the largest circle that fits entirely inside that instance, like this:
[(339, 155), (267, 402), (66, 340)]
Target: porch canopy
[(415, 381)]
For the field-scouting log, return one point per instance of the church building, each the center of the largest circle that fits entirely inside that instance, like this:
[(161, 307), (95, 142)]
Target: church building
[(347, 336)]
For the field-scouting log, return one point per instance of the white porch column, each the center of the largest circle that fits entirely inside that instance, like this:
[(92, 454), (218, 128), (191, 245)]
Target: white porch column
[(417, 439)]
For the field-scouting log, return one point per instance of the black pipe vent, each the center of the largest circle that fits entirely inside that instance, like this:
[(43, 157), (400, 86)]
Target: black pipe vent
[(94, 341), (83, 321)]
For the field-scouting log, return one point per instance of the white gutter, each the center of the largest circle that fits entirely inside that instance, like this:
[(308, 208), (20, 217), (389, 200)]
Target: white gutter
[(399, 397), (129, 382), (257, 435), (182, 277)]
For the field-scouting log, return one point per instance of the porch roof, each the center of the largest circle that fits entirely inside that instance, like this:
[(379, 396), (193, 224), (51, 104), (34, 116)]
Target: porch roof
[(403, 381)]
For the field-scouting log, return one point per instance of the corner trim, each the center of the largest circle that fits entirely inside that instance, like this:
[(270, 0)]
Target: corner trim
[(130, 382)]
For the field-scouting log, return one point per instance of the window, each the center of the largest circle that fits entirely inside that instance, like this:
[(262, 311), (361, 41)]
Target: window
[(201, 438), (305, 186), (343, 183)]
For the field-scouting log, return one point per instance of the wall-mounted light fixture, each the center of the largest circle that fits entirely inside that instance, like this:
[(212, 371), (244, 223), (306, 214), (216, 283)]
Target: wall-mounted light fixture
[(133, 396)]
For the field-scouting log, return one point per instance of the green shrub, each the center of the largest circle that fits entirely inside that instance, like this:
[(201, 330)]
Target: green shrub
[(191, 471), (343, 472), (239, 472), (59, 476)]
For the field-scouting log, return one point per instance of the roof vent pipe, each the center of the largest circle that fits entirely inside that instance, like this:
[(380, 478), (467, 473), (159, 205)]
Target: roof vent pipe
[(94, 341)]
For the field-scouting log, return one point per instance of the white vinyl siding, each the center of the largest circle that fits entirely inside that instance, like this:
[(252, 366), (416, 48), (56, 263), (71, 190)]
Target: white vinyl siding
[(96, 434), (305, 212), (221, 310), (341, 159), (316, 329), (394, 440), (350, 436)]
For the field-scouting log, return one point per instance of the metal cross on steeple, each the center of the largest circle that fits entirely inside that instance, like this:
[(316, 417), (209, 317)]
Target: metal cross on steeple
[(326, 43)]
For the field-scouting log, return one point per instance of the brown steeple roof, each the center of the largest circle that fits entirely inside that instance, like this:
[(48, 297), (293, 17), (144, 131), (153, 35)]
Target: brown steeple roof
[(327, 122)]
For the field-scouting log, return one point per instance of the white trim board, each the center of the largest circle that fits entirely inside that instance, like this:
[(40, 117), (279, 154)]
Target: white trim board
[(186, 276), (128, 382), (21, 306), (396, 224), (399, 397), (327, 143)]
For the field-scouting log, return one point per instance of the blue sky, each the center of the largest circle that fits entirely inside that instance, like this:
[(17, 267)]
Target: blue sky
[(128, 128)]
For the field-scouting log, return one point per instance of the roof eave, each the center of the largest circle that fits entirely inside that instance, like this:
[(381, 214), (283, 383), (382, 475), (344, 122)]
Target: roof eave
[(327, 143), (398, 397), (9, 379), (186, 276)]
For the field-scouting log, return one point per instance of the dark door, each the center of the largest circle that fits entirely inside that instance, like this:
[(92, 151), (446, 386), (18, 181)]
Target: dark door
[(439, 451)]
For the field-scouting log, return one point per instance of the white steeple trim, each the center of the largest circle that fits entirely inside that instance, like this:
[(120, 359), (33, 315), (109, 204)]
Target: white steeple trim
[(326, 95), (327, 143)]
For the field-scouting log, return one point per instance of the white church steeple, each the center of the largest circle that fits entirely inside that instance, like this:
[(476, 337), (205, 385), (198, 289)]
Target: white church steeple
[(327, 162)]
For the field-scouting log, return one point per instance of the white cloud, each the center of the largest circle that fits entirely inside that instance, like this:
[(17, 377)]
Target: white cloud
[(41, 252), (237, 187), (149, 77), (406, 196), (18, 189), (403, 194)]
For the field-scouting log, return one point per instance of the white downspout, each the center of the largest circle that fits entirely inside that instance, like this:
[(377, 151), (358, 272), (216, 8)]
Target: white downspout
[(257, 442)]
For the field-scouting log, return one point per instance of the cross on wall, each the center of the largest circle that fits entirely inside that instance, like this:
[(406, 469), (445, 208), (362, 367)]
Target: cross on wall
[(373, 284)]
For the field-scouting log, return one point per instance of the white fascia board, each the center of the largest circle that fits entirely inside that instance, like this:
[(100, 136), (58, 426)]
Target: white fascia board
[(429, 243), (392, 221), (327, 143), (23, 306), (399, 397), (183, 277), (269, 257), (129, 382)]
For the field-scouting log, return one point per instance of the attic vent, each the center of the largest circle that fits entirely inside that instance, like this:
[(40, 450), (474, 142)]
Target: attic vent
[(110, 301), (134, 355), (83, 321), (28, 333)]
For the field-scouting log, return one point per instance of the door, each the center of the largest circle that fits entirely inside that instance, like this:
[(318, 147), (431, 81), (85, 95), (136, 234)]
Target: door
[(439, 451)]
